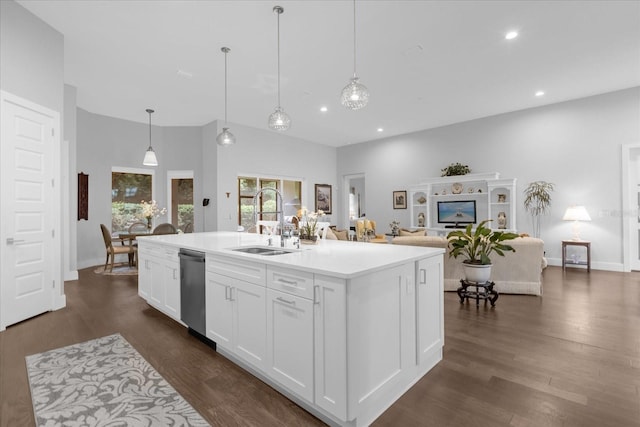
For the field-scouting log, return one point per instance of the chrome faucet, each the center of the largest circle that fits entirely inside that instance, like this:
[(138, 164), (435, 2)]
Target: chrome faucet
[(281, 212)]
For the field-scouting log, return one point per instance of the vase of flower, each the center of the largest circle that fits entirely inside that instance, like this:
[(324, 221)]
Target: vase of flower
[(151, 210), (308, 240), (149, 220)]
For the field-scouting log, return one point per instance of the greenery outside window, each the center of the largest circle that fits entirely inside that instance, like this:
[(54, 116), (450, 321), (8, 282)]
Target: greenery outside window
[(248, 187), (128, 190)]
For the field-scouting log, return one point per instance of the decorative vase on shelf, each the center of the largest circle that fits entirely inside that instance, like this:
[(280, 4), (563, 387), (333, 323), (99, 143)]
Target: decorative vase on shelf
[(149, 219), (502, 220)]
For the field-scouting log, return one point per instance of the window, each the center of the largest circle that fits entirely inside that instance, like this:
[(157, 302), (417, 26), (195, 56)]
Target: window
[(248, 187), (128, 189)]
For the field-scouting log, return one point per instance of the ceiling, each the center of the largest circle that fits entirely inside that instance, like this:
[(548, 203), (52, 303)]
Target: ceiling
[(426, 63)]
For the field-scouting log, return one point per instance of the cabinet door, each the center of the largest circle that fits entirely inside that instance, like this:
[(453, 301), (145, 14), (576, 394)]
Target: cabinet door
[(330, 339), (219, 316), (144, 278), (290, 342), (249, 334), (156, 296), (429, 307), (171, 277)]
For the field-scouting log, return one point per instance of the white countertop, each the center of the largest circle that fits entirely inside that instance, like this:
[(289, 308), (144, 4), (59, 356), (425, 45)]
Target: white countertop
[(336, 258)]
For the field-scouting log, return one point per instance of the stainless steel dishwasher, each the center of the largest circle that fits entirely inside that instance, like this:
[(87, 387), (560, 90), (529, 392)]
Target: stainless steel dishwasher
[(192, 284)]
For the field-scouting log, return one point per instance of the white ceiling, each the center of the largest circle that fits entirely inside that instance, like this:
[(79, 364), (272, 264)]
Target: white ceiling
[(426, 63)]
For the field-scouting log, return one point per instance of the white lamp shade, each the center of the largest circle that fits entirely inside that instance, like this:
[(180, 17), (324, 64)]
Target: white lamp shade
[(576, 213), (226, 138), (150, 158)]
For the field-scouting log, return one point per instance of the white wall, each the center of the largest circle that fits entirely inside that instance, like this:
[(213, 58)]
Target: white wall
[(104, 142), (266, 153), (575, 145)]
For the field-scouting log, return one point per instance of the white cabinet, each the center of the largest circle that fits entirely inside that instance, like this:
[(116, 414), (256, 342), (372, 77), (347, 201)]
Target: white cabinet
[(494, 198), (330, 342), (429, 309), (235, 318), (159, 278), (290, 342)]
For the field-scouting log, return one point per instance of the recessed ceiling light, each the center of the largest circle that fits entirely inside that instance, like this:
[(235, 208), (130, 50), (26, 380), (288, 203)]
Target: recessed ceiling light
[(380, 129), (511, 35), (540, 93), (324, 109)]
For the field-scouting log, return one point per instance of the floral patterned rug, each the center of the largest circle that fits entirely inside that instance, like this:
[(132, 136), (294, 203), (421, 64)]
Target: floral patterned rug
[(103, 382)]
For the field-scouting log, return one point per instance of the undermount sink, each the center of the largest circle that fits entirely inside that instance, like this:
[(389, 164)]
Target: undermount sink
[(261, 250)]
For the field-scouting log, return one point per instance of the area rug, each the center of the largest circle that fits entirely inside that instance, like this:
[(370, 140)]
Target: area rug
[(103, 382), (119, 269)]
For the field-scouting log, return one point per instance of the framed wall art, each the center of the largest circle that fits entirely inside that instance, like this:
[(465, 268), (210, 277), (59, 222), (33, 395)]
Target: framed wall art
[(399, 200), (323, 198)]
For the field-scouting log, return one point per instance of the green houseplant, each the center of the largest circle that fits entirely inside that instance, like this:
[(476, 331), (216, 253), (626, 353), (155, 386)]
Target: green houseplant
[(476, 245), (537, 201), (455, 169)]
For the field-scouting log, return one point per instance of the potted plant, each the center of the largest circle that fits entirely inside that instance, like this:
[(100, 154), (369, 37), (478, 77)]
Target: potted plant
[(455, 169), (476, 245), (308, 225), (537, 202)]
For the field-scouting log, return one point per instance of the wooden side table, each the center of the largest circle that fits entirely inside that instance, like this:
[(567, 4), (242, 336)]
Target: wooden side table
[(483, 291), (566, 261)]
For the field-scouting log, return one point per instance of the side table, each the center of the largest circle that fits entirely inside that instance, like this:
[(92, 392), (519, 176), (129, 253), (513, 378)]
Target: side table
[(566, 261), (483, 291)]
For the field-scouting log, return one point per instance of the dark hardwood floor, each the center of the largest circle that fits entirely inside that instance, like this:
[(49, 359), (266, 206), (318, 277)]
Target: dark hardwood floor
[(568, 358)]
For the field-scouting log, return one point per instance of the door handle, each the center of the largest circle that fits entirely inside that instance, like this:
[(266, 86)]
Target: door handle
[(12, 241)]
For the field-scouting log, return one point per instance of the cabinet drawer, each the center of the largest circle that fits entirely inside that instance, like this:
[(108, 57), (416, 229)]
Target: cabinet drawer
[(249, 272), (151, 249), (290, 281)]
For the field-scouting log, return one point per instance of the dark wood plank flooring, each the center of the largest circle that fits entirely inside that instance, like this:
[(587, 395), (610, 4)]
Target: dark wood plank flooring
[(568, 358)]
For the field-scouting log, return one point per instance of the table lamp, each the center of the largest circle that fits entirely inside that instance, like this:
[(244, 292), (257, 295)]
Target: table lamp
[(576, 214)]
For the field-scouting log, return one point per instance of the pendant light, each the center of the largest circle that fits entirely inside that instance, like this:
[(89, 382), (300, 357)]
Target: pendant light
[(150, 156), (225, 138), (279, 120), (355, 95)]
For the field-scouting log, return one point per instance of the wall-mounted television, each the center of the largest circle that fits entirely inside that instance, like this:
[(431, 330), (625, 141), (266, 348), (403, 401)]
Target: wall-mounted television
[(457, 212)]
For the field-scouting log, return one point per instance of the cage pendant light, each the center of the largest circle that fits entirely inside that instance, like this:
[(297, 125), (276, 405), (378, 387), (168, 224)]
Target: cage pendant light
[(150, 156), (225, 138), (355, 95), (279, 120)]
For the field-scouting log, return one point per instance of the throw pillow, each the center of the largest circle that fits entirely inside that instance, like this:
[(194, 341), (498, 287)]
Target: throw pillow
[(418, 232), (341, 234), (331, 235)]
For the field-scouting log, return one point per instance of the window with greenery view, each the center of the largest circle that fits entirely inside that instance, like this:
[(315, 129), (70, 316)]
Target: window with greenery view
[(247, 188), (127, 191)]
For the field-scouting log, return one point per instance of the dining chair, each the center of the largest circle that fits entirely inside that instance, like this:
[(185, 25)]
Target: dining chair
[(165, 228), (138, 227), (112, 251)]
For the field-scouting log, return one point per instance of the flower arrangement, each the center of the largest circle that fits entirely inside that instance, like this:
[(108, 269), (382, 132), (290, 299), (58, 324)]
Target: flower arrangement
[(309, 222), (455, 169), (477, 245), (151, 210)]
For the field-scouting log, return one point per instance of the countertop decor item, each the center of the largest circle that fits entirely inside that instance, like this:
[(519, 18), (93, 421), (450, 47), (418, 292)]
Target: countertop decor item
[(151, 210)]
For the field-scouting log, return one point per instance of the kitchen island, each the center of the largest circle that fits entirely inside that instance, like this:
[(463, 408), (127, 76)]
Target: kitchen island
[(341, 328)]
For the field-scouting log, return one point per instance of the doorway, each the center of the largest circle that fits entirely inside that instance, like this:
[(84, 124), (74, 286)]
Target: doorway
[(354, 201), (30, 244), (631, 206), (180, 197)]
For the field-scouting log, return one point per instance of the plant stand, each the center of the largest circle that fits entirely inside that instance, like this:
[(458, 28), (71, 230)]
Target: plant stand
[(484, 290)]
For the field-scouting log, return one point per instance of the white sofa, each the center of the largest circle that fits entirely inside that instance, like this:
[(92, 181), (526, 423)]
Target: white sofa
[(518, 272)]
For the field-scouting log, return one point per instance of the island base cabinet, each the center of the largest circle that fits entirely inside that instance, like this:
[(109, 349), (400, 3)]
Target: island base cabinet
[(235, 317), (290, 342), (330, 339), (159, 280), (429, 309)]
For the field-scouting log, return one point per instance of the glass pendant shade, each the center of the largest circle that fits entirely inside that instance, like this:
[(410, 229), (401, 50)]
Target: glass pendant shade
[(225, 137), (150, 158), (355, 95), (279, 120)]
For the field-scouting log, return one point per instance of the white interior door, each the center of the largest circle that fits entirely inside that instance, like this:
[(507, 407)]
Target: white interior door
[(28, 210)]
